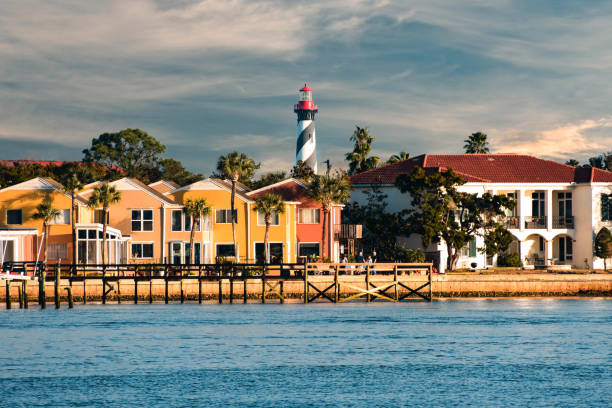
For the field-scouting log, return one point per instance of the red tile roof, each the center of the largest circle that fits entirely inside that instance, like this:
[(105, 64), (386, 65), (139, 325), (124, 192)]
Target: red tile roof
[(488, 168), (290, 190)]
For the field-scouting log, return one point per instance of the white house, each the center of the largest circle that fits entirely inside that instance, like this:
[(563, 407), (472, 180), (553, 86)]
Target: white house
[(559, 210)]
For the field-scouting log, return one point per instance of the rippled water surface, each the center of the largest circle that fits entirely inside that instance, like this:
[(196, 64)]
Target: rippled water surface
[(523, 352)]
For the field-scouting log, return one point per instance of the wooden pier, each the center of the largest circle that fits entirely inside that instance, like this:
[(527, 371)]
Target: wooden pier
[(312, 282)]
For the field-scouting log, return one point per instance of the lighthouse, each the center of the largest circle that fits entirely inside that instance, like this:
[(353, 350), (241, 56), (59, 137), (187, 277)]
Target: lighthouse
[(306, 149)]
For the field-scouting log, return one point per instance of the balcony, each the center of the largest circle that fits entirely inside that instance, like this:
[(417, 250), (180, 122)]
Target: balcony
[(348, 231), (535, 222), (563, 222), (513, 222)]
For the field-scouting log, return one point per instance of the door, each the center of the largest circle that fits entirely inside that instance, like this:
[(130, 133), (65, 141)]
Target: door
[(562, 249), (175, 252), (276, 253)]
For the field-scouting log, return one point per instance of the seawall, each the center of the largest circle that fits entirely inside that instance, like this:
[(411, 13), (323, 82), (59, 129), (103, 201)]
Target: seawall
[(444, 286)]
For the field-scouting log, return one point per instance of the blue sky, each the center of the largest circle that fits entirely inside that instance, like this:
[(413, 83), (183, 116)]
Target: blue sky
[(208, 77)]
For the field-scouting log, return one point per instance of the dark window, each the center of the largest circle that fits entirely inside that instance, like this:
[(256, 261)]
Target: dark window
[(541, 244), (142, 220), (225, 250), (223, 216), (538, 205), (309, 249), (177, 220), (606, 207), (14, 217), (142, 250)]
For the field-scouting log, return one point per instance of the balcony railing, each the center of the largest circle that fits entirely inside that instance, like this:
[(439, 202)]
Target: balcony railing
[(513, 222), (348, 231), (563, 222), (535, 222)]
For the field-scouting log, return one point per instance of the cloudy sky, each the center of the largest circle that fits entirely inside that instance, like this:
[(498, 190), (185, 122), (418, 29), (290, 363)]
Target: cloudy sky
[(208, 77)]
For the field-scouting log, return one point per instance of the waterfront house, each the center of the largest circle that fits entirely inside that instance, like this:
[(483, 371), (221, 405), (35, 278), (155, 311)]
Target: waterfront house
[(141, 220), (307, 221), (218, 242), (560, 208), (21, 234)]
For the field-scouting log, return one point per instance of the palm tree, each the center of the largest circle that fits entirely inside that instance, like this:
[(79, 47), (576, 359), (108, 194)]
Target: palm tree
[(196, 209), (476, 143), (72, 185), (268, 205), (398, 157), (236, 167), (358, 159), (329, 190), (104, 195), (47, 213)]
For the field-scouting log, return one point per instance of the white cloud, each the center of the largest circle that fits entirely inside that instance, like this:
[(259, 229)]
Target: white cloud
[(563, 142)]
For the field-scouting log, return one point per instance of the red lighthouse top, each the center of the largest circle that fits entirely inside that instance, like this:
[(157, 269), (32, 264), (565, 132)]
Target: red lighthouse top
[(305, 102)]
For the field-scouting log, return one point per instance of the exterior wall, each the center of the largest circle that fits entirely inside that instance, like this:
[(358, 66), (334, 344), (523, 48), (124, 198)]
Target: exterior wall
[(283, 233), (596, 220), (27, 201), (585, 209), (120, 217), (218, 198)]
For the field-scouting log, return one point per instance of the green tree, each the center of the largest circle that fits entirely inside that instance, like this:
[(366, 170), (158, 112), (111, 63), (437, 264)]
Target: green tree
[(603, 245), (268, 205), (329, 190), (197, 209), (603, 161), (302, 171), (47, 213), (268, 179), (134, 151), (441, 213), (174, 170), (476, 143), (236, 167), (71, 187), (401, 156), (573, 162), (358, 159), (497, 240), (104, 195)]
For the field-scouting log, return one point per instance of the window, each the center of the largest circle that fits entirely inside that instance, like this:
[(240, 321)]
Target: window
[(469, 251), (309, 216), (275, 252), (606, 207), (307, 249), (14, 217), (142, 220), (141, 250), (57, 251), (513, 212), (274, 220), (62, 218), (99, 216), (225, 250), (565, 204), (224, 217), (177, 220), (538, 205)]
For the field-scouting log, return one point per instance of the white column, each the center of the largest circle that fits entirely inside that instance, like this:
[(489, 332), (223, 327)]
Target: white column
[(549, 209), (522, 203), (523, 250), (549, 251)]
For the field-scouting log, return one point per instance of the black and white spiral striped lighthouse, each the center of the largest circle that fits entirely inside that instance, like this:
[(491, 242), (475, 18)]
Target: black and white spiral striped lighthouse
[(306, 149)]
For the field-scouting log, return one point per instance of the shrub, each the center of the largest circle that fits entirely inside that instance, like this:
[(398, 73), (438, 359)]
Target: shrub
[(512, 260)]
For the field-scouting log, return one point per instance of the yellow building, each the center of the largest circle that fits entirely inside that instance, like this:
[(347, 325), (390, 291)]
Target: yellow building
[(249, 227), (18, 204)]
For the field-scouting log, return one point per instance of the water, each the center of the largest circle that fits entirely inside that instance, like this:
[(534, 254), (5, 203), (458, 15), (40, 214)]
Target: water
[(522, 352)]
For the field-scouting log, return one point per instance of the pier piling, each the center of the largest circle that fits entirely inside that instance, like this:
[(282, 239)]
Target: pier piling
[(25, 293), (57, 294), (70, 298), (8, 294)]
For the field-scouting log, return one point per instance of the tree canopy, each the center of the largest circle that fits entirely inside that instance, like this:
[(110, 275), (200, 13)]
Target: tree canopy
[(476, 143), (401, 156), (603, 245), (358, 159), (302, 171), (267, 179), (442, 213)]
